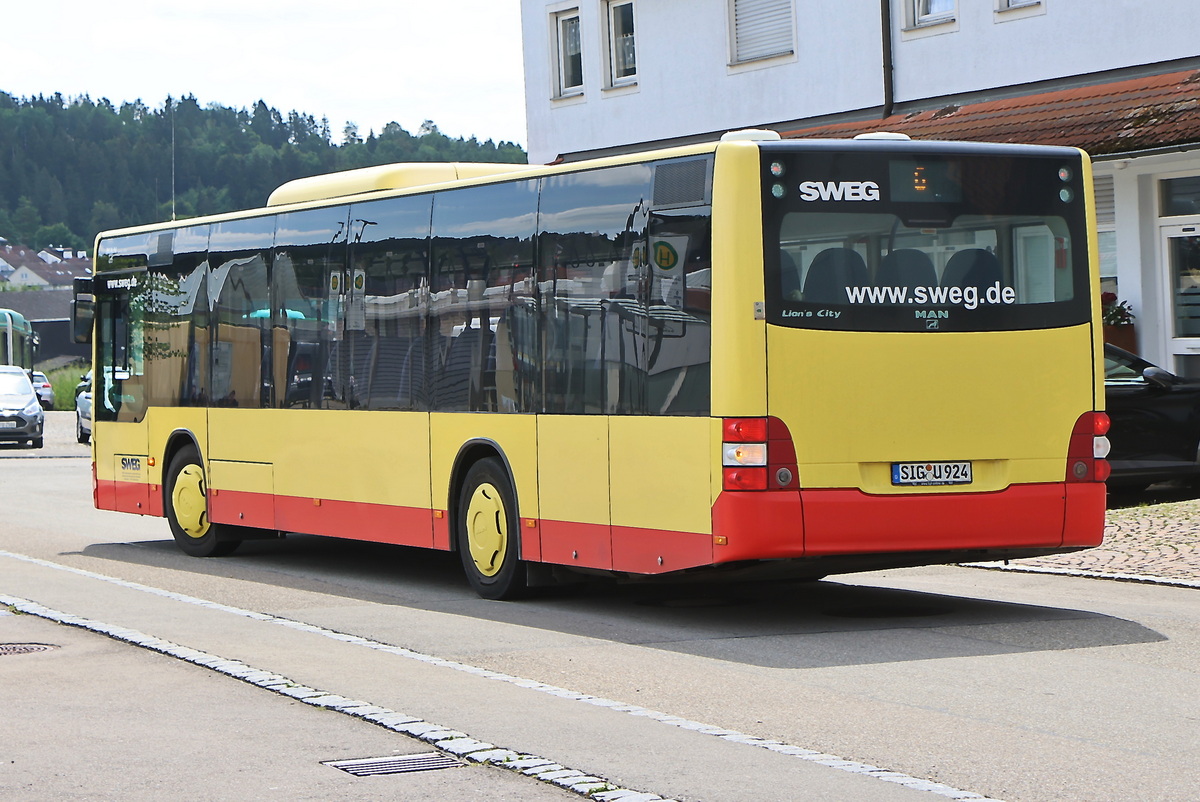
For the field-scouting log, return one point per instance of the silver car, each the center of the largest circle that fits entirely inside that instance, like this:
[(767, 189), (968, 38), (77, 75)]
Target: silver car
[(21, 417), (43, 388), (83, 408)]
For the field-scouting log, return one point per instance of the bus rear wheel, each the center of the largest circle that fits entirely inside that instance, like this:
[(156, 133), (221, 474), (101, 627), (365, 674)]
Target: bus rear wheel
[(187, 509), (488, 534)]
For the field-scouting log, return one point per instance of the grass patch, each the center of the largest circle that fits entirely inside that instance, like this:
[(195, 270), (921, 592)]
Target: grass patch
[(64, 380)]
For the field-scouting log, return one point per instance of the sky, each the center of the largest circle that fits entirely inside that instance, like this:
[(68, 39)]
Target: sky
[(370, 62)]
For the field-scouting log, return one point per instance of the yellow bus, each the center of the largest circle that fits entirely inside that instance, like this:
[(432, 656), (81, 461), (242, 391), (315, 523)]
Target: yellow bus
[(750, 357)]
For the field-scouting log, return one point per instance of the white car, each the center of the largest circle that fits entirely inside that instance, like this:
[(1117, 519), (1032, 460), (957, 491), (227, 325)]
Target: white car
[(83, 408), (21, 416), (44, 390)]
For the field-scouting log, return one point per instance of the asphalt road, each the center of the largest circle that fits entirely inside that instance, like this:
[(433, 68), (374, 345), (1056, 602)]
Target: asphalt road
[(929, 683)]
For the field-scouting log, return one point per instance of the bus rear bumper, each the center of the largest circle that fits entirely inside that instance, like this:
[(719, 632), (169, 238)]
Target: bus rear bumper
[(815, 523)]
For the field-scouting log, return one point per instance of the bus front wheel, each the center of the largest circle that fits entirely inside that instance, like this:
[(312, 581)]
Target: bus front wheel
[(488, 533), (187, 509)]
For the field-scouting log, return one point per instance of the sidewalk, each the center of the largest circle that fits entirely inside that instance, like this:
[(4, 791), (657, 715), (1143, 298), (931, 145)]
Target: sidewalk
[(1156, 541)]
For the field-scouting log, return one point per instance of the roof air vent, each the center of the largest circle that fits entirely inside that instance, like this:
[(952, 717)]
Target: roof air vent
[(751, 135)]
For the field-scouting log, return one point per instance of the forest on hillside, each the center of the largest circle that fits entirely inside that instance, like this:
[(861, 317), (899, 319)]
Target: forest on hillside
[(71, 168)]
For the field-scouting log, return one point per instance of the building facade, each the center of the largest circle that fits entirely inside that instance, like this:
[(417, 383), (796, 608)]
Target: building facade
[(1121, 80)]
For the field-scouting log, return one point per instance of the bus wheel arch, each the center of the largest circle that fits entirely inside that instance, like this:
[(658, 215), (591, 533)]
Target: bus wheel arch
[(485, 525), (185, 503)]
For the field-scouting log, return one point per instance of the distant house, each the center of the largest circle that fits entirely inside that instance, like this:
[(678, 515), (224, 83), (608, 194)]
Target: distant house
[(14, 257), (29, 269), (56, 253)]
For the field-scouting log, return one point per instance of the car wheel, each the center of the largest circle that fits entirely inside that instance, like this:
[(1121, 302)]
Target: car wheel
[(488, 534), (80, 434), (35, 442), (187, 509)]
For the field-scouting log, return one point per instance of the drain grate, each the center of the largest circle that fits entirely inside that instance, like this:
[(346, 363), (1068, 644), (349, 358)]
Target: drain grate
[(395, 764), (24, 648)]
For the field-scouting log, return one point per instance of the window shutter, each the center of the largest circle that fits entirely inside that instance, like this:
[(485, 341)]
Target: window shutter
[(761, 28), (1106, 205)]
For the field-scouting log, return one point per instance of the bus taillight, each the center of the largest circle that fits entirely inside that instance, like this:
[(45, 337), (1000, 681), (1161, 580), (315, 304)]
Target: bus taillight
[(1087, 452), (757, 454)]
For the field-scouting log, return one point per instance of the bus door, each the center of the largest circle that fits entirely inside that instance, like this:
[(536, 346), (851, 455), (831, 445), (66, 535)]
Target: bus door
[(119, 392)]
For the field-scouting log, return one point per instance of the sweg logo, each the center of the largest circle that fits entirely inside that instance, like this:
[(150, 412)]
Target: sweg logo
[(839, 190), (131, 464)]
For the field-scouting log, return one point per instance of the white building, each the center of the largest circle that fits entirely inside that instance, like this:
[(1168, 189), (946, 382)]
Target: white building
[(1120, 79)]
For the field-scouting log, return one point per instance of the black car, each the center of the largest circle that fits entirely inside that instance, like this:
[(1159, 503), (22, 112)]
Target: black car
[(1155, 415)]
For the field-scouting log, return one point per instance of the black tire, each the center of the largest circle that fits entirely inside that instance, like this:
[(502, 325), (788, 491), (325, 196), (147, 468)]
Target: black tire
[(80, 434), (186, 504), (488, 532), (36, 442)]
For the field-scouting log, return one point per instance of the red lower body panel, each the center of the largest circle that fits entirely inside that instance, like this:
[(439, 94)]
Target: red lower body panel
[(814, 523), (746, 526)]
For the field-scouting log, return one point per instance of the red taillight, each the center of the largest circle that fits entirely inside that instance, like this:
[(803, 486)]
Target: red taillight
[(745, 478), (1088, 448), (757, 454), (745, 430)]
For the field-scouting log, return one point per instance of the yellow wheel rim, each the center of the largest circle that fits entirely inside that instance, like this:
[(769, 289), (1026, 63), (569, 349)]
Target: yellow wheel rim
[(189, 503), (487, 529)]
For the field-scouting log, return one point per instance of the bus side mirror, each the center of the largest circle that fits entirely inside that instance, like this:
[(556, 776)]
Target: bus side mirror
[(83, 310)]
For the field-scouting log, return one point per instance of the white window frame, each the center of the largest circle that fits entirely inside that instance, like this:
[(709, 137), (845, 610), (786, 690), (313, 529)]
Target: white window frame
[(919, 17), (558, 20), (613, 42), (753, 14), (1019, 9)]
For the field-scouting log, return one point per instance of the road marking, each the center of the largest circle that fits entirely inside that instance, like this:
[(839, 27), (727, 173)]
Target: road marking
[(444, 738), (810, 755), (1080, 572)]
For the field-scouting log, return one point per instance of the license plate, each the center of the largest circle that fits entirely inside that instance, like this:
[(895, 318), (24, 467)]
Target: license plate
[(8, 424), (931, 473)]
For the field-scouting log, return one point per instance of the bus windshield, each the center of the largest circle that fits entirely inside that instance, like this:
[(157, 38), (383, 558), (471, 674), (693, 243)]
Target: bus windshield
[(924, 244)]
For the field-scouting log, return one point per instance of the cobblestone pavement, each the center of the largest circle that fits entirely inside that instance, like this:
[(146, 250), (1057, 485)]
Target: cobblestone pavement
[(1155, 540)]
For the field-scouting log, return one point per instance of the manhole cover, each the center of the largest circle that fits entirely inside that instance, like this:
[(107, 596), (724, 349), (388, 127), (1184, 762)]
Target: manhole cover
[(395, 764), (24, 648)]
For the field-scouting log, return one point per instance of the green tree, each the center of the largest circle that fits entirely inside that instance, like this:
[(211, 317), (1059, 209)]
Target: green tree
[(26, 219), (54, 235)]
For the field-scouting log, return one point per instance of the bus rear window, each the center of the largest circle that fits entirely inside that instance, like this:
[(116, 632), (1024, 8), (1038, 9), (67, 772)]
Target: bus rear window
[(968, 244)]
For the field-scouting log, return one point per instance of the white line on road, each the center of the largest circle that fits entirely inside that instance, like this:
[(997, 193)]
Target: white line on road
[(810, 755), (444, 738), (1080, 572)]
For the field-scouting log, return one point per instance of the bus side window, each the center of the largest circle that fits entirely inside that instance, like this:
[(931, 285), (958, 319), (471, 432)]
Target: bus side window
[(308, 275), (679, 336), (593, 277), (389, 243), (482, 256), (240, 293)]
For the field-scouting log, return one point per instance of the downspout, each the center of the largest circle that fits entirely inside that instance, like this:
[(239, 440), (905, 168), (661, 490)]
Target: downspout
[(889, 74)]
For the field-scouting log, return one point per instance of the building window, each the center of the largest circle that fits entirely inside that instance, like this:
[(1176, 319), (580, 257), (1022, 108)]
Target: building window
[(570, 53), (1180, 196), (1106, 229), (761, 29), (1005, 5), (931, 12), (622, 55)]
